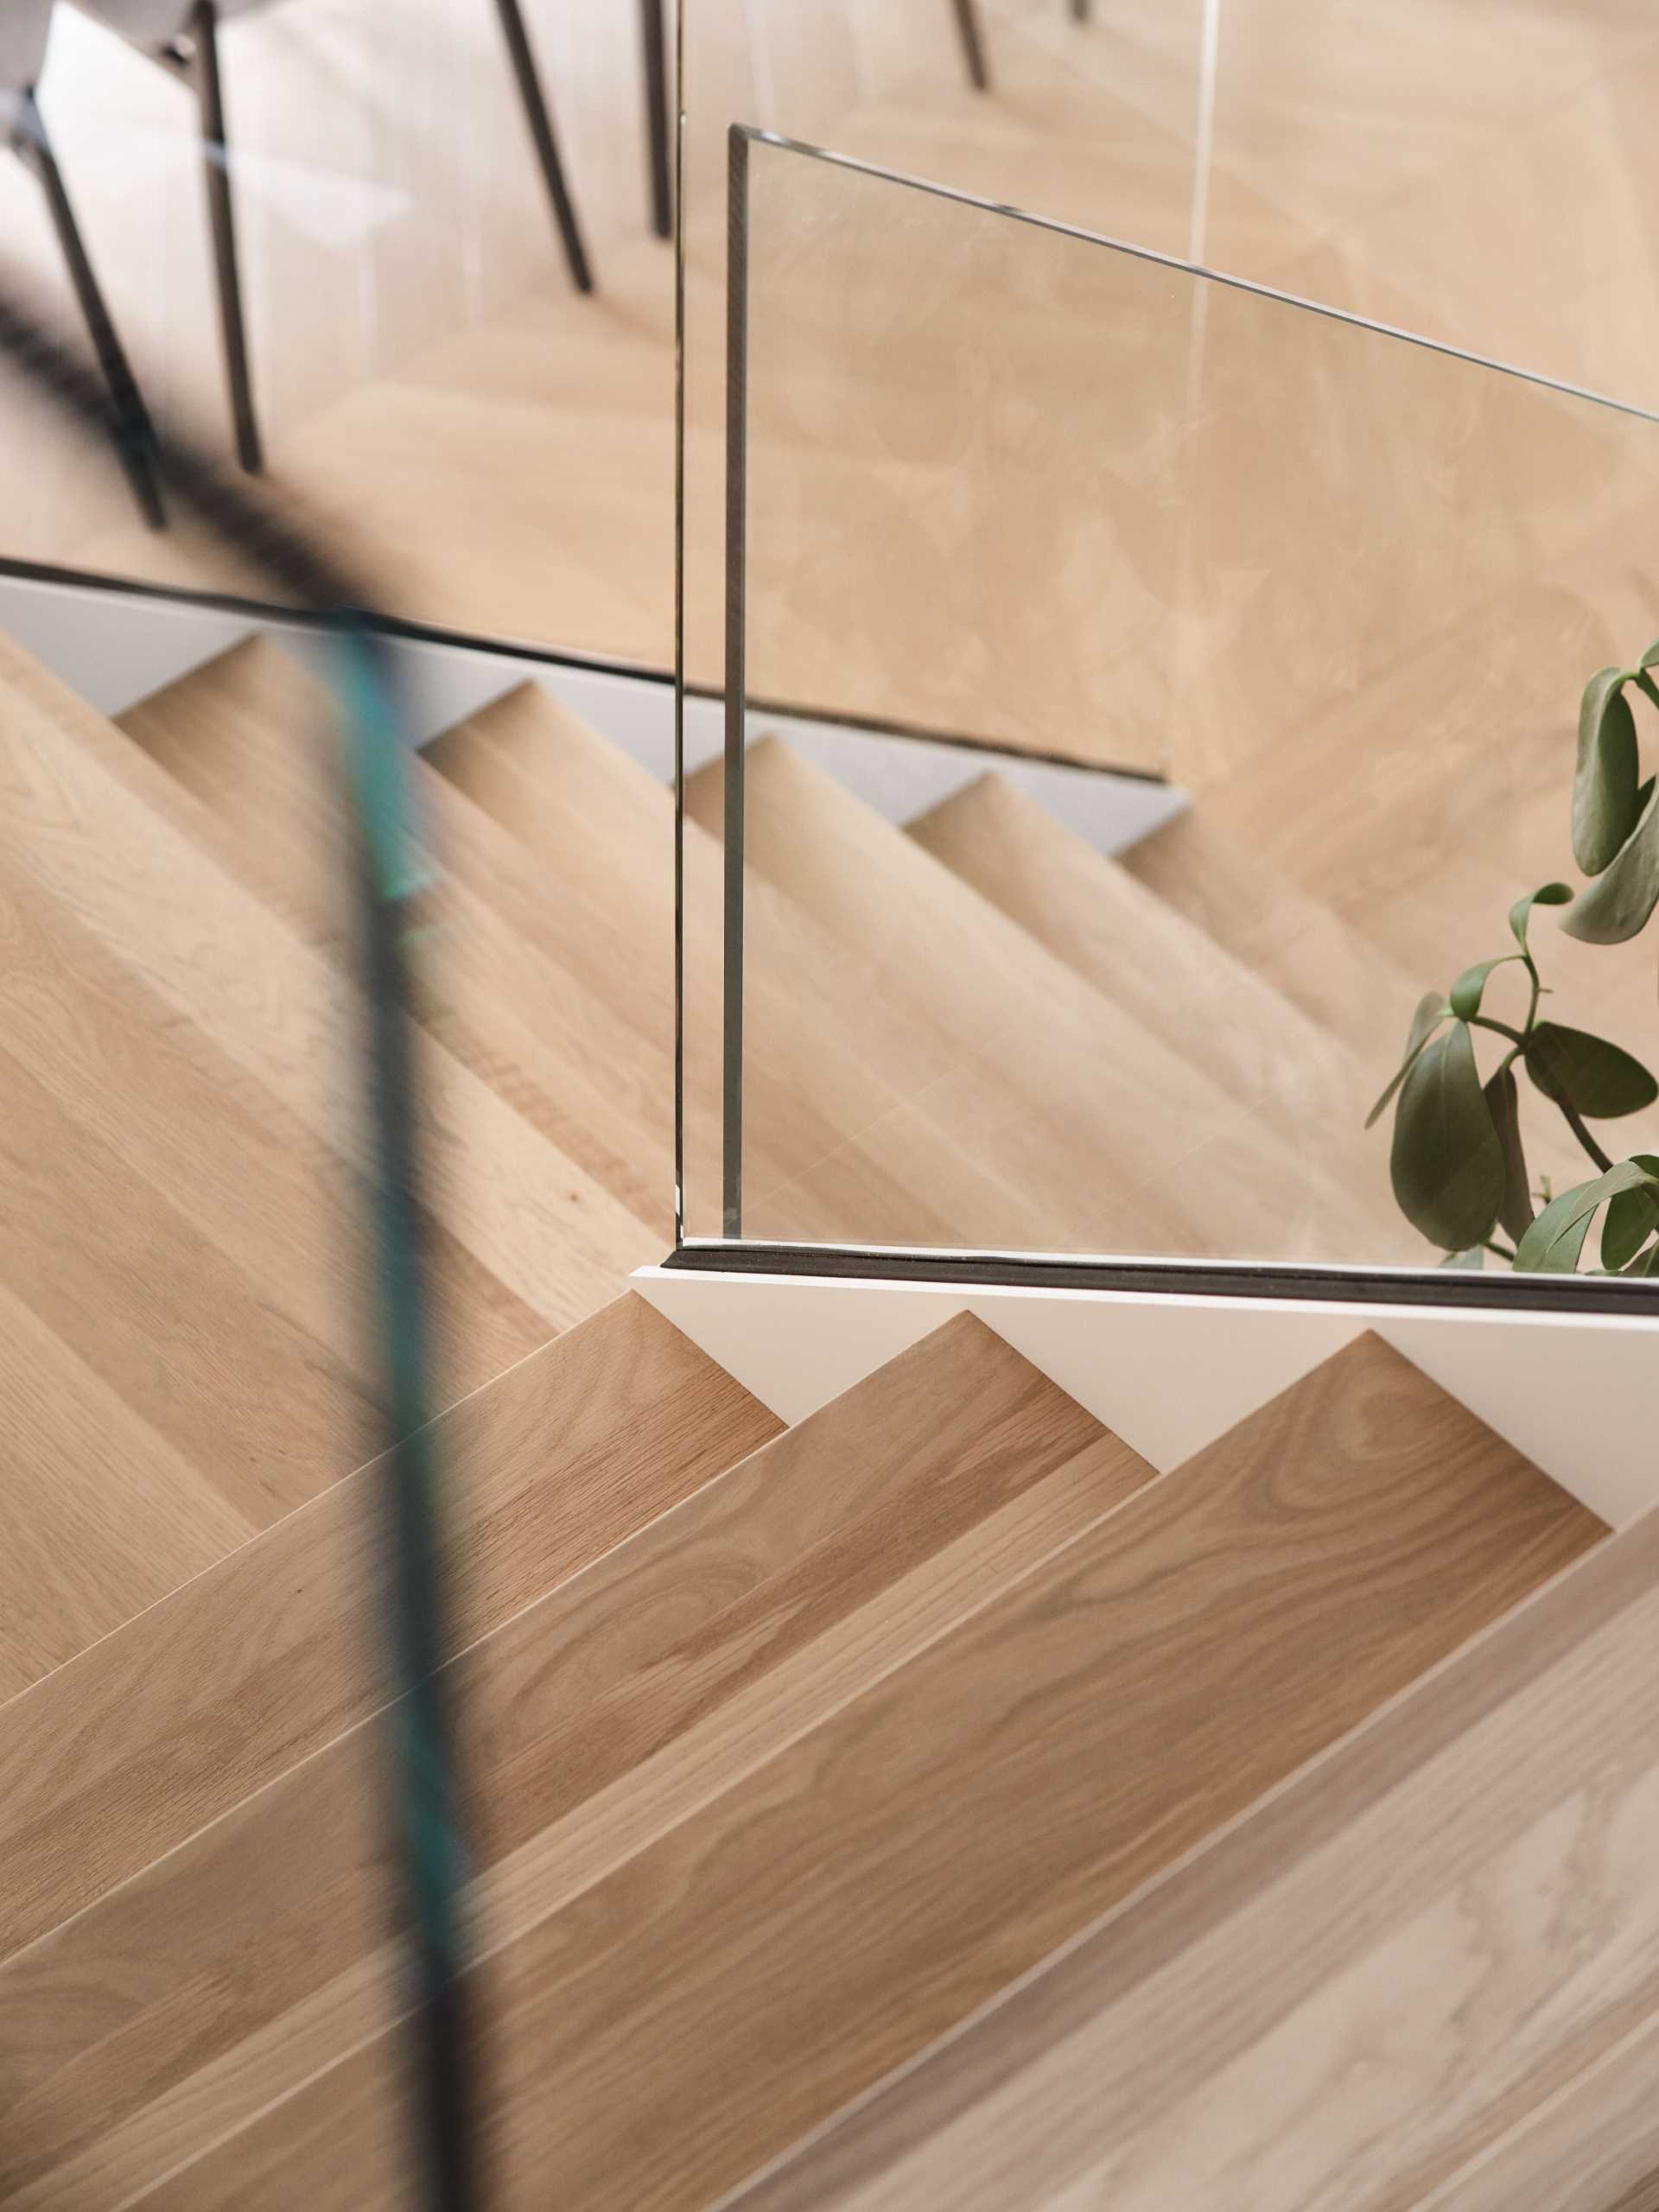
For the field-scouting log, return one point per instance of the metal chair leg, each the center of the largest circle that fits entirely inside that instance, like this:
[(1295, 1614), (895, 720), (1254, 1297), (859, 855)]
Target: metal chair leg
[(654, 40), (133, 432), (973, 44), (547, 151), (203, 64)]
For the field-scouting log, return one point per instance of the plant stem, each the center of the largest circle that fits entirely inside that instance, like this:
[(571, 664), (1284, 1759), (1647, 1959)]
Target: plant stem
[(1575, 1123), (1491, 1244), (1502, 1028)]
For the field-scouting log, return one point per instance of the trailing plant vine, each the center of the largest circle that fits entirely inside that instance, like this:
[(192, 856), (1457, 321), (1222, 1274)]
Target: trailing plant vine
[(1458, 1162)]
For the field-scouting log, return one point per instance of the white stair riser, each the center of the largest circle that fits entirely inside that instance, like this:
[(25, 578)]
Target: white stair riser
[(1578, 1394)]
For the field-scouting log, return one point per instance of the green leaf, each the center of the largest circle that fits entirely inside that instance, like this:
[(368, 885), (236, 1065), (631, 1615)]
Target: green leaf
[(1597, 1079), (1465, 994), (1474, 1258), (1632, 1217), (1503, 1103), (1651, 656), (1447, 1163), (1603, 783), (1553, 1243), (1618, 907), (1431, 1011), (1549, 895)]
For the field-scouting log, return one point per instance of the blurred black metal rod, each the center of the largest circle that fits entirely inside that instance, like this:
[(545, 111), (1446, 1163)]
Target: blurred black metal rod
[(133, 432), (973, 44), (427, 1798), (221, 219), (653, 38), (547, 150)]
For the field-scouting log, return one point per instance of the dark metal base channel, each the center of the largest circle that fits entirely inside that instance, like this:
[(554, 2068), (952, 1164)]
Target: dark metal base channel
[(1180, 1278)]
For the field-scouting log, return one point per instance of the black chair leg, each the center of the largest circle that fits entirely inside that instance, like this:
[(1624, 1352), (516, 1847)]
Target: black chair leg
[(654, 40), (133, 433), (547, 151), (221, 218), (973, 44)]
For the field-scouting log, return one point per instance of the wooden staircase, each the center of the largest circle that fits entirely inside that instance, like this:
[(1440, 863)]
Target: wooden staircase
[(930, 1803)]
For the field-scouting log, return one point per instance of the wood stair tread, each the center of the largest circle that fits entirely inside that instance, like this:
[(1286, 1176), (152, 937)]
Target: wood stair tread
[(528, 1241), (103, 1514), (1179, 983), (1419, 1974), (248, 735), (857, 1124), (1279, 931), (1125, 1142), (684, 2019), (625, 1697), (172, 1720)]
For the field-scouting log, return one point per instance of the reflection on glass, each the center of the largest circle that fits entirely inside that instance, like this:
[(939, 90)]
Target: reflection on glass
[(1341, 590)]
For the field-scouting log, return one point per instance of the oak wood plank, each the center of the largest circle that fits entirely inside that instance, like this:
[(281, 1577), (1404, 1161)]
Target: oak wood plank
[(684, 2018), (1190, 991), (102, 1514), (1591, 2147), (543, 1241), (249, 735), (1402, 1981), (254, 1919), (1063, 1077), (857, 1121), (169, 1723)]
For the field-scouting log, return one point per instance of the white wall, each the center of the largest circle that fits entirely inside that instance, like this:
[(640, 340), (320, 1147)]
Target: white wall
[(1577, 1393), (116, 648)]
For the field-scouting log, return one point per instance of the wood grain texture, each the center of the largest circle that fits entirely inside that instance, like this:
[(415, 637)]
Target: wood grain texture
[(1282, 933), (836, 1540), (183, 1199), (511, 446), (534, 1241), (1061, 1080), (1187, 989), (1593, 2146), (687, 2016), (560, 1861), (249, 735), (1423, 1974), (103, 1516), (858, 1120), (166, 1725)]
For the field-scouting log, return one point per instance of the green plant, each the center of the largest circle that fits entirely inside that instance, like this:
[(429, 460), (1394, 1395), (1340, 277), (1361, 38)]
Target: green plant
[(1458, 1162)]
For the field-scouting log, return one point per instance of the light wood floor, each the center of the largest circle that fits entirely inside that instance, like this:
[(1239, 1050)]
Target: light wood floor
[(788, 1783), (788, 1752), (505, 449), (1421, 1976)]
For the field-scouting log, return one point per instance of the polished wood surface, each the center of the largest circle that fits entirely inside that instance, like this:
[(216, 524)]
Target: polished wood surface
[(1592, 2147), (187, 1298), (1060, 1077), (527, 1222), (1279, 1068), (1421, 1975), (633, 1692), (508, 446), (860, 1123), (1338, 976), (170, 1722), (249, 734), (682, 2018)]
